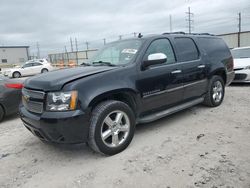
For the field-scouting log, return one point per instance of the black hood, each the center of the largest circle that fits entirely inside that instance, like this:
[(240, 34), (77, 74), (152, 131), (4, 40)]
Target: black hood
[(55, 80)]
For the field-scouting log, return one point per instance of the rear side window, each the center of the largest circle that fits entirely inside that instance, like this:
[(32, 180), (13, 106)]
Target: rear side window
[(214, 47), (186, 49), (161, 46)]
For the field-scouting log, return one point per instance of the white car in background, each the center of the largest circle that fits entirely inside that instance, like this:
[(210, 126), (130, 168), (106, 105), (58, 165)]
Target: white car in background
[(241, 64), (28, 69)]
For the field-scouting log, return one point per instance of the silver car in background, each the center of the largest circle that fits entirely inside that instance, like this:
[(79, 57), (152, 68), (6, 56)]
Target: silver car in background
[(241, 64)]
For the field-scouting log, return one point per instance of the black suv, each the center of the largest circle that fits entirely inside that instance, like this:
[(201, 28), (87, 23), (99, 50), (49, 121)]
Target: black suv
[(127, 82)]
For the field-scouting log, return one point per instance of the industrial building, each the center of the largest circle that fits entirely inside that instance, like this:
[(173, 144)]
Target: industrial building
[(237, 39), (14, 54)]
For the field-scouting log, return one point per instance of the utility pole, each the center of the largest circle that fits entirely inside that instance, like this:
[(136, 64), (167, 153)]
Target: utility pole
[(170, 23), (104, 41), (120, 37), (71, 43), (38, 50), (76, 51), (66, 52), (189, 20), (76, 44), (239, 29), (87, 45)]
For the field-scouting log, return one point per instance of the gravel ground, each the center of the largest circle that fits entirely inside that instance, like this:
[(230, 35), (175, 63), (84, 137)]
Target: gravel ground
[(198, 147)]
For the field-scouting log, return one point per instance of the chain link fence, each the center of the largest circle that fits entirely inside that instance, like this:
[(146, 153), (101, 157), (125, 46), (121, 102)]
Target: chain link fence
[(70, 59)]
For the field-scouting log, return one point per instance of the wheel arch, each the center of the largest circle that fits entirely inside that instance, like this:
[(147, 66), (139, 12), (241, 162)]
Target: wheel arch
[(220, 72), (127, 96)]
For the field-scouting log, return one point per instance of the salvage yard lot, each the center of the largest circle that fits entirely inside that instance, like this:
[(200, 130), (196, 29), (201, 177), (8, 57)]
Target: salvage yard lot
[(198, 147)]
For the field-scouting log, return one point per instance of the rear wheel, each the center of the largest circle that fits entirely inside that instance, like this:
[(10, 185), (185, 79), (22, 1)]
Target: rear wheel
[(1, 113), (216, 90), (112, 127), (44, 70), (16, 75)]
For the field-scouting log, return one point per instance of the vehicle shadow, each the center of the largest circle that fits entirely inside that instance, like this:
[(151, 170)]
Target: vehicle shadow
[(10, 118), (239, 85)]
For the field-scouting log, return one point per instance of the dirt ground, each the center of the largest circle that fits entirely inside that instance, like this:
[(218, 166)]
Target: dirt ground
[(198, 147)]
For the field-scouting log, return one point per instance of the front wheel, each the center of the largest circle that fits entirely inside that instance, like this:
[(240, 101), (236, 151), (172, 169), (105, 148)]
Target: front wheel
[(216, 91), (1, 113), (112, 127), (16, 75)]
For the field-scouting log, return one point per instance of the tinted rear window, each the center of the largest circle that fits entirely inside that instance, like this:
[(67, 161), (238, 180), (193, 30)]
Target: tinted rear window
[(186, 49), (214, 47)]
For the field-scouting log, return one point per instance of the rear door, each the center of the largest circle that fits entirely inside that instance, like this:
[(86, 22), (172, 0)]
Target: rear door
[(193, 67), (26, 69), (37, 68), (160, 85)]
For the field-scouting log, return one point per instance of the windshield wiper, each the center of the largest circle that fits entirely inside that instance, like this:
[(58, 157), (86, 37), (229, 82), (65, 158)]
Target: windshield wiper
[(99, 63)]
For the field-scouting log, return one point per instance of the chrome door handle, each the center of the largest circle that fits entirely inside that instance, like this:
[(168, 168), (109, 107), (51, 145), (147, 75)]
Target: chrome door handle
[(176, 72), (201, 66)]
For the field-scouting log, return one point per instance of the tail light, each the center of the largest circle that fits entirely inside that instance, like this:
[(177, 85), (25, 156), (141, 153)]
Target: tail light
[(14, 85), (230, 65)]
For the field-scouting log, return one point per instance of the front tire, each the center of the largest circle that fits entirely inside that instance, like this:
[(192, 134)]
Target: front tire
[(216, 91), (1, 113), (112, 127), (16, 74)]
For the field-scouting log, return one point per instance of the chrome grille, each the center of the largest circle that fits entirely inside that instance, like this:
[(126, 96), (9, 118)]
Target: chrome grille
[(33, 100)]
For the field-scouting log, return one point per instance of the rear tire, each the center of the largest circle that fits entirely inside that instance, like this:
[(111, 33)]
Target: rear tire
[(112, 127), (44, 70), (1, 113), (16, 74), (216, 91)]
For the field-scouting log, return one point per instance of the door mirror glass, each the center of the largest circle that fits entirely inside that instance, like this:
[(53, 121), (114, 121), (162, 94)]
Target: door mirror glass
[(154, 59)]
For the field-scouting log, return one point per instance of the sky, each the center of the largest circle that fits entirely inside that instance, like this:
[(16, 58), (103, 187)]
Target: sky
[(52, 23)]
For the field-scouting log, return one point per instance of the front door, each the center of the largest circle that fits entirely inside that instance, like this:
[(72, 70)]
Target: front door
[(160, 85)]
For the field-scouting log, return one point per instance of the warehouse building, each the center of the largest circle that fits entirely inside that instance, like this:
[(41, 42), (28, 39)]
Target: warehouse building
[(14, 54), (234, 40)]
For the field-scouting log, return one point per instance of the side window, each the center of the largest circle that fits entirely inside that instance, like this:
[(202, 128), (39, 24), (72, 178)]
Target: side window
[(27, 65), (37, 64), (186, 49), (161, 46)]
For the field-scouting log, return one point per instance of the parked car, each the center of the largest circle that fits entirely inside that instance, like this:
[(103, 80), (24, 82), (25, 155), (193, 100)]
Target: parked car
[(10, 96), (127, 82), (28, 69), (241, 64)]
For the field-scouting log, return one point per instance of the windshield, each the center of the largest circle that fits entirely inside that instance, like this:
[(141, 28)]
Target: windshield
[(241, 53), (117, 53)]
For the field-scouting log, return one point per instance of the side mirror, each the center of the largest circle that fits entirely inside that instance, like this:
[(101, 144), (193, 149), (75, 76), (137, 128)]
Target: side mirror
[(154, 59)]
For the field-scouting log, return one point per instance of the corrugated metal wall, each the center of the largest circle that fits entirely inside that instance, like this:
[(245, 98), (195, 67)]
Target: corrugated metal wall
[(232, 39)]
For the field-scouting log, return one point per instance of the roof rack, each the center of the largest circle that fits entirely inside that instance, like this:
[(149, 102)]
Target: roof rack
[(183, 33), (179, 32)]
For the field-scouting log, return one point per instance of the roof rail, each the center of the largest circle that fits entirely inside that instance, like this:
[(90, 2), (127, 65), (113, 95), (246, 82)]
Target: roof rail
[(183, 33), (179, 32)]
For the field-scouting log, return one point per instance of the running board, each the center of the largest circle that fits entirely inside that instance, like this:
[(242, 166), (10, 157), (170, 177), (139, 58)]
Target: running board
[(159, 115)]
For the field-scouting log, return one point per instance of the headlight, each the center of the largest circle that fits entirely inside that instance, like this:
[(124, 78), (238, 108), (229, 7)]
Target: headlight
[(62, 101), (248, 67)]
